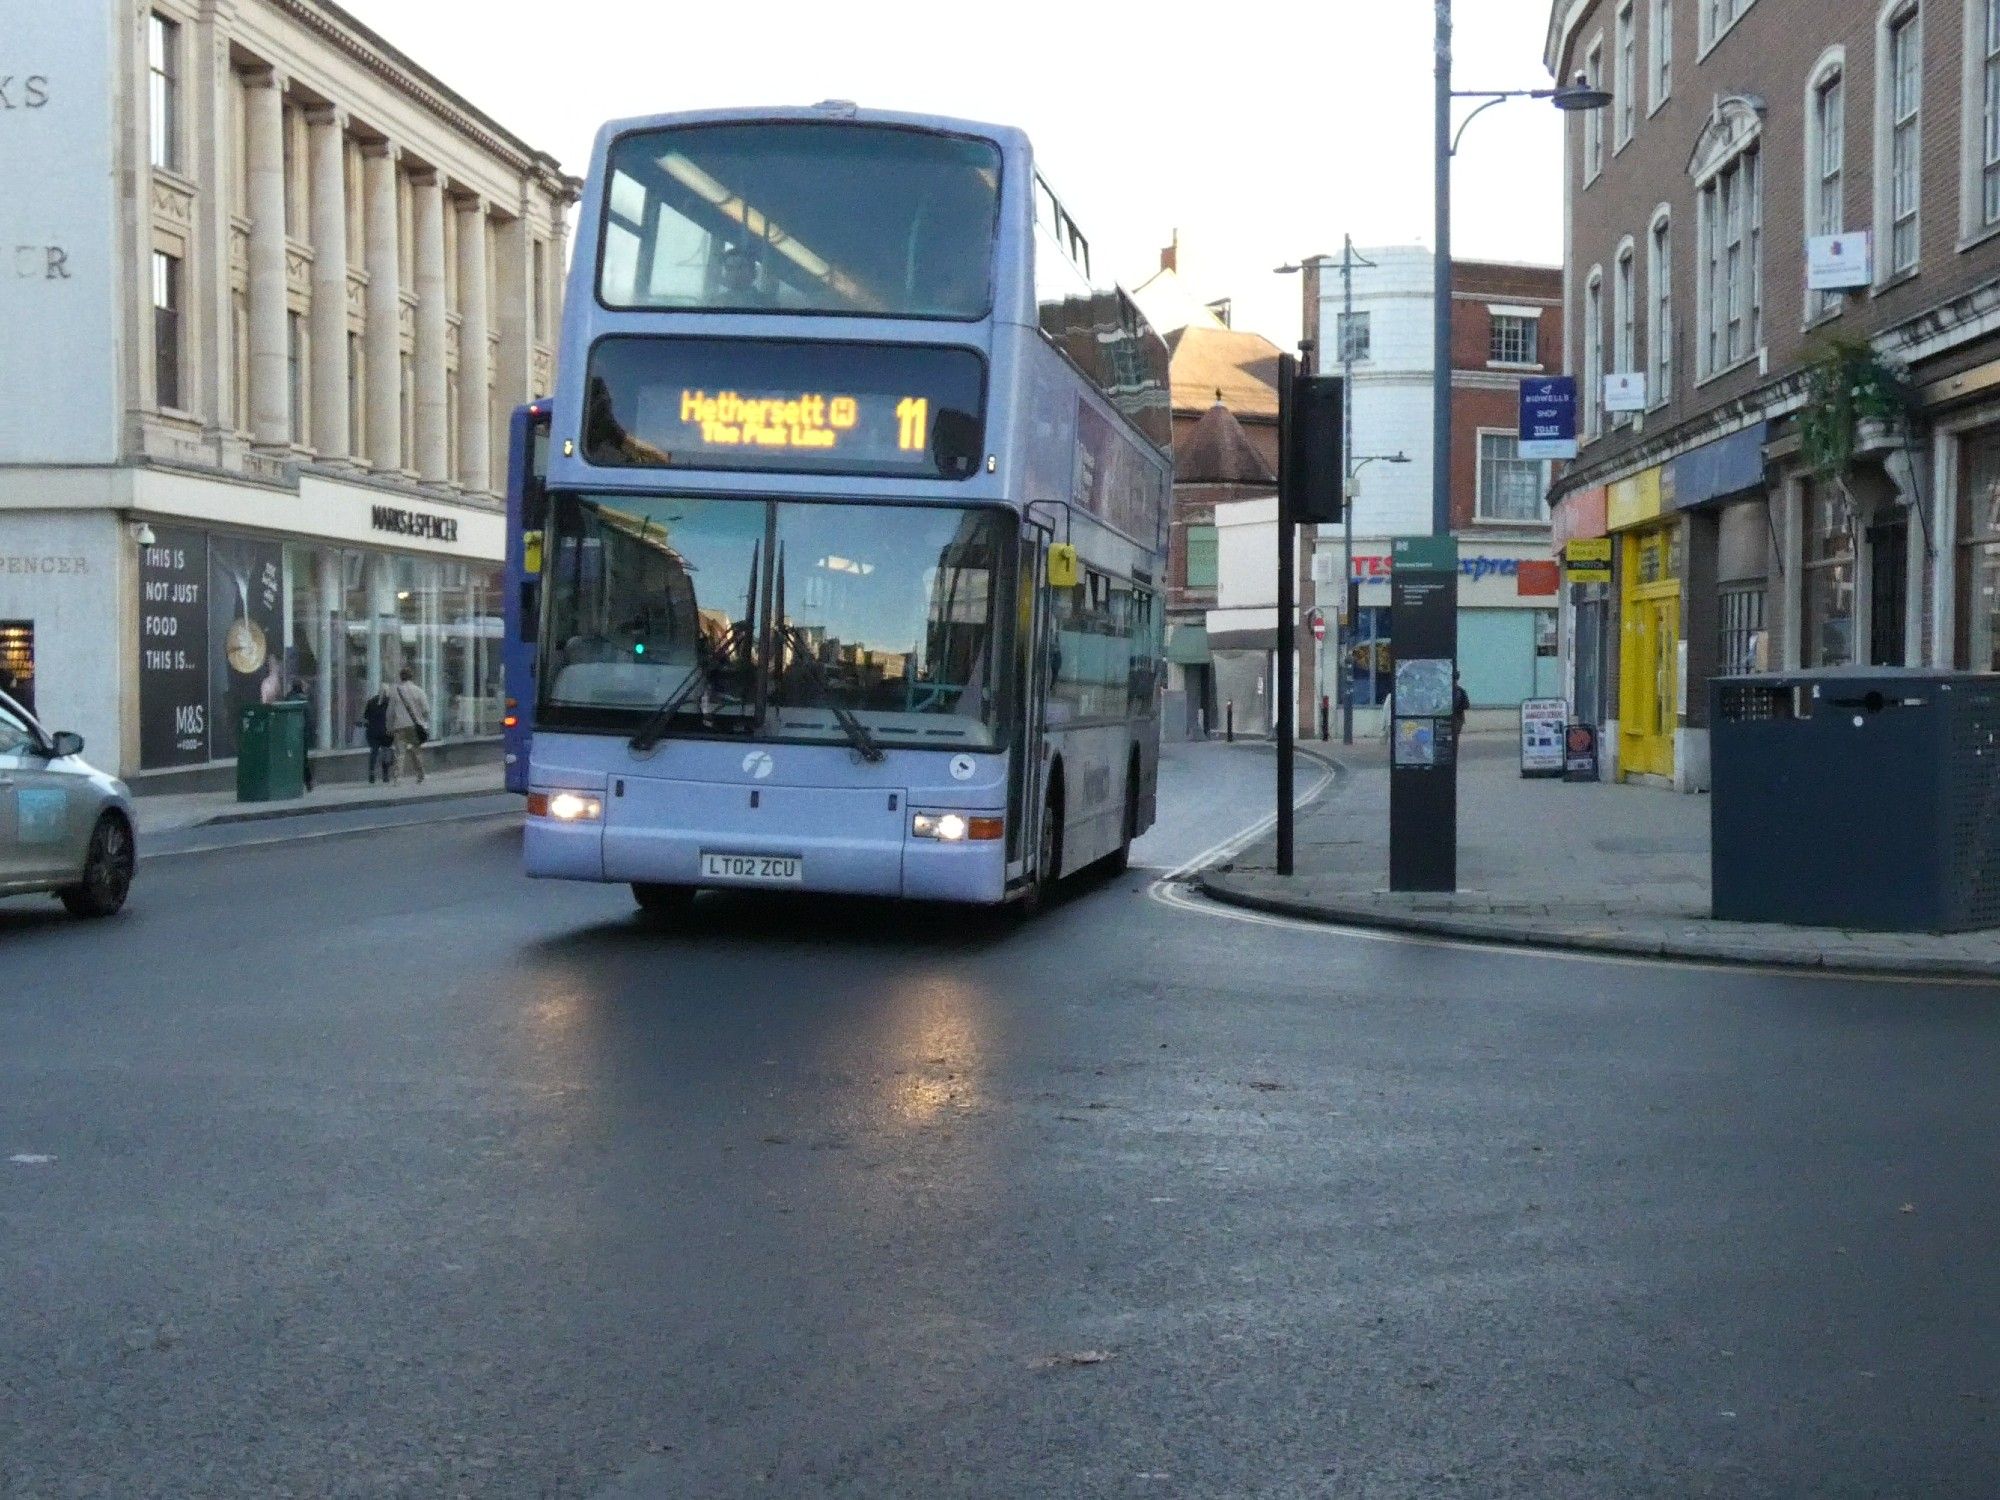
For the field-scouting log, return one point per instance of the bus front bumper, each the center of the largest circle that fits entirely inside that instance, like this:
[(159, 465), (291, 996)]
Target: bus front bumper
[(844, 841)]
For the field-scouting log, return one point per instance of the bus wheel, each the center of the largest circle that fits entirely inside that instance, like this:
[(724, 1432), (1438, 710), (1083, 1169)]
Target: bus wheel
[(1120, 859), (663, 902), (1048, 862)]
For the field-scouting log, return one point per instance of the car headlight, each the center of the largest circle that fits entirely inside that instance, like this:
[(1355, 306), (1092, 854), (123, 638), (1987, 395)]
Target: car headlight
[(955, 828), (565, 807)]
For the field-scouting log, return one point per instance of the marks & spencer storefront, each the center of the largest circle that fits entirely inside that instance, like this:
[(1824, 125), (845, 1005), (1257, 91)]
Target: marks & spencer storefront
[(173, 611)]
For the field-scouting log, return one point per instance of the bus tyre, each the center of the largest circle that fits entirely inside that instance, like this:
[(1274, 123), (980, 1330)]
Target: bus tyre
[(1119, 860), (663, 902), (1048, 861)]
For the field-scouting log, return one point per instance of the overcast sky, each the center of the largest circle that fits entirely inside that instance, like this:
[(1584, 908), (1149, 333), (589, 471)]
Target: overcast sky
[(1260, 130)]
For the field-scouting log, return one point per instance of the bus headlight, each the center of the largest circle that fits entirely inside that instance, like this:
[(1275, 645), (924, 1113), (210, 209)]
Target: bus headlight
[(565, 807), (955, 828)]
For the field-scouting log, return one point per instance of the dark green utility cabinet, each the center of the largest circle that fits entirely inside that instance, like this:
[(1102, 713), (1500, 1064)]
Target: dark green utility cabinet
[(1856, 797), (271, 752)]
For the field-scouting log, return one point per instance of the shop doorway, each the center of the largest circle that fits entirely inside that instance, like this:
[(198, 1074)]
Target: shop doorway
[(1649, 678), (1888, 591), (17, 661)]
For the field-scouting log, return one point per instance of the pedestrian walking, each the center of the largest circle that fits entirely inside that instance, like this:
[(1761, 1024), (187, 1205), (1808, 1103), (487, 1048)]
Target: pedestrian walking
[(1461, 704), (300, 694), (375, 731), (409, 722)]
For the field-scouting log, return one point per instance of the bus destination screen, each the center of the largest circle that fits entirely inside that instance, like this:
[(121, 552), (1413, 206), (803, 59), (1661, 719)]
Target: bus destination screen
[(883, 409)]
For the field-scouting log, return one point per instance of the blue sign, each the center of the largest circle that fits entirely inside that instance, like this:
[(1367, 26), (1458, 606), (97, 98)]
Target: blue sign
[(1548, 417)]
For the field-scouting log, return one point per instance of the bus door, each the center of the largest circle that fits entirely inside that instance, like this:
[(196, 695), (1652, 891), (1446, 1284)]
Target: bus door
[(1031, 651)]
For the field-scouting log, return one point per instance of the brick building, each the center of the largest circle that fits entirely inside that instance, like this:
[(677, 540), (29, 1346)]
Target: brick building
[(1748, 140), (1506, 324)]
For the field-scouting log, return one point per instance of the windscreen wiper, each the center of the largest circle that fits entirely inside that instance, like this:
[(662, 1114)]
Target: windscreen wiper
[(648, 733), (852, 727)]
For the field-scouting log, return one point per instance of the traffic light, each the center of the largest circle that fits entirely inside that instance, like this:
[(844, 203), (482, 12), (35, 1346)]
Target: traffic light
[(1313, 473)]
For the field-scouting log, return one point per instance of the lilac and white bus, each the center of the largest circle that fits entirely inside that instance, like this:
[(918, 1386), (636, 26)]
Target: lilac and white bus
[(857, 493)]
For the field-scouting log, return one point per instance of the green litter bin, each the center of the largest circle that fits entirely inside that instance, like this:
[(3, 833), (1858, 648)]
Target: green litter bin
[(271, 752)]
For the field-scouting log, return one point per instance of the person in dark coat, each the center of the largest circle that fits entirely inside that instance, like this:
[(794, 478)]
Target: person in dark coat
[(375, 729), (300, 694)]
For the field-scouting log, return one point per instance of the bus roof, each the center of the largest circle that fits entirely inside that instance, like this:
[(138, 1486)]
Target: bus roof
[(832, 111)]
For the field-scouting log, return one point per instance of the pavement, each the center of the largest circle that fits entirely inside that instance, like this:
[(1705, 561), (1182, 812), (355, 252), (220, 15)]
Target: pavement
[(166, 814), (362, 1166), (1592, 866)]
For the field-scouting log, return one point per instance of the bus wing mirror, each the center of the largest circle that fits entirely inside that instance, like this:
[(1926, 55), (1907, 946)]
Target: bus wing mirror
[(1062, 566)]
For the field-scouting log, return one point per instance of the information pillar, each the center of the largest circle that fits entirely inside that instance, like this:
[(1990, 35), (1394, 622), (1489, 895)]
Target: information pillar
[(1423, 743)]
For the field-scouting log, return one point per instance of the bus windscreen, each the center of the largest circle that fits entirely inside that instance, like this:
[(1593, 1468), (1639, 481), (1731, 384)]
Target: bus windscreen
[(801, 217), (885, 409)]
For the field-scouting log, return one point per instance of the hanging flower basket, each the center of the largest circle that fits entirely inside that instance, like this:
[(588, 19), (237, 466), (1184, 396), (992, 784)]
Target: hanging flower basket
[(1857, 404)]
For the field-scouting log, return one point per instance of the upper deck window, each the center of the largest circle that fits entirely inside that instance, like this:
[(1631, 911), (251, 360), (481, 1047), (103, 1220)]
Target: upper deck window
[(812, 218)]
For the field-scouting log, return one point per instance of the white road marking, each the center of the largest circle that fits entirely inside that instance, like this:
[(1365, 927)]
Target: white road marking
[(30, 1159)]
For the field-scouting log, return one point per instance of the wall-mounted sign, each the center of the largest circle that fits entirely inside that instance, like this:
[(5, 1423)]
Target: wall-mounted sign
[(1547, 422), (1625, 392), (416, 523), (1537, 578), (1543, 721), (1588, 559), (1836, 262), (17, 661)]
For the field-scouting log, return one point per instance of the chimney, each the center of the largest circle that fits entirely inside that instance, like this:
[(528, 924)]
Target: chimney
[(1170, 257)]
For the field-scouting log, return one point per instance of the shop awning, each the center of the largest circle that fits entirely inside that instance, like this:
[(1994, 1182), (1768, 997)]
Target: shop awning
[(1187, 646)]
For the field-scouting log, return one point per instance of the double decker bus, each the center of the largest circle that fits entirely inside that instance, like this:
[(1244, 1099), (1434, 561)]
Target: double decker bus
[(856, 518), (521, 608)]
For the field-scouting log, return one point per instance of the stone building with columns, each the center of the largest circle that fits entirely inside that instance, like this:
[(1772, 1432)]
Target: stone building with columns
[(270, 292)]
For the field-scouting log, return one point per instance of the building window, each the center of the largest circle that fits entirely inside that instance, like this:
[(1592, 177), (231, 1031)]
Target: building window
[(1983, 60), (1901, 102), (1742, 633), (1624, 318), (1350, 333), (1514, 340), (239, 345), (1660, 48), (1593, 352), (163, 91), (1979, 556), (451, 433), (357, 398), (289, 120), (1625, 84), (295, 374), (1828, 583), (541, 258), (167, 331), (1660, 311), (1201, 557), (1732, 211), (1511, 488), (1593, 119), (408, 412), (1717, 16), (1826, 155)]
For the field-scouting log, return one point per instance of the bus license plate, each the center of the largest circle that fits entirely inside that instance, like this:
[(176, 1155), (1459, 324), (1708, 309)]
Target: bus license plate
[(756, 869)]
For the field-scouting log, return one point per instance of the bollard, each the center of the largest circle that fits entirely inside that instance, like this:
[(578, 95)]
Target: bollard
[(1229, 721)]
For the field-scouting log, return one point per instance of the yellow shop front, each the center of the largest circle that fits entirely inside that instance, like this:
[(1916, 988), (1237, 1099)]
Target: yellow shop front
[(1650, 562)]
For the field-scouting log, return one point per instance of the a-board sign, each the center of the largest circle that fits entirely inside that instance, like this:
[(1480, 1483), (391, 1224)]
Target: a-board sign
[(1580, 753), (1543, 722)]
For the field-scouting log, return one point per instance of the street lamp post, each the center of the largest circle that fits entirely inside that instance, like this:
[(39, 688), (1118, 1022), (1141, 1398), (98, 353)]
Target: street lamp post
[(1581, 95)]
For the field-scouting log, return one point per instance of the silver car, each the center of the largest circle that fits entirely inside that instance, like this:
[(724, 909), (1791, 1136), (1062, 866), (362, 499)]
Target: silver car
[(65, 826)]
